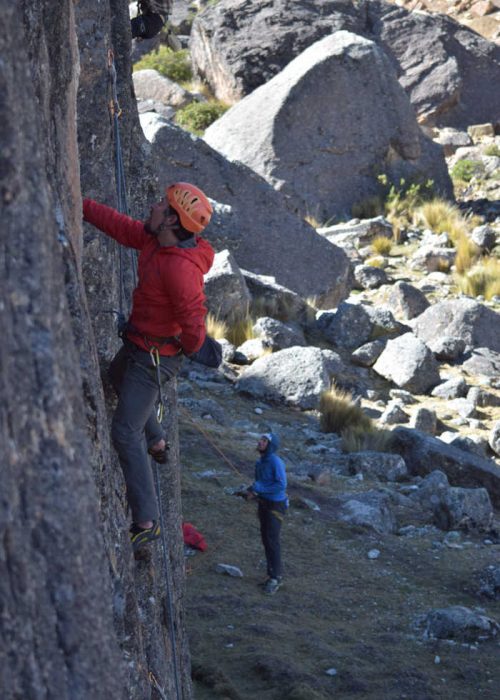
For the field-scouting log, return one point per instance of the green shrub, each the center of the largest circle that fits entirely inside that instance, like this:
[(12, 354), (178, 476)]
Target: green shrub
[(466, 169), (197, 116), (402, 199), (172, 64), (492, 150)]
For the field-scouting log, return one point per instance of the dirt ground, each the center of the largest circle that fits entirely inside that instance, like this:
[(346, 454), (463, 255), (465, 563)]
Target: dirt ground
[(338, 609)]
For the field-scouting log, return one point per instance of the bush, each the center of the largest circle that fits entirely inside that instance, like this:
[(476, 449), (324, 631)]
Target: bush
[(401, 200), (338, 411), (197, 116), (482, 280), (492, 150), (466, 169), (172, 64)]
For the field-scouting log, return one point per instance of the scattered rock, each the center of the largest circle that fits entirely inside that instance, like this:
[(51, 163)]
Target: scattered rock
[(463, 508), (278, 335), (407, 301), (460, 623), (478, 325), (227, 294), (368, 354), (295, 376), (375, 465), (485, 237), (494, 438), (229, 569), (393, 414), (409, 363), (370, 509), (150, 85), (451, 389), (425, 420), (483, 361), (489, 582), (447, 348), (369, 277)]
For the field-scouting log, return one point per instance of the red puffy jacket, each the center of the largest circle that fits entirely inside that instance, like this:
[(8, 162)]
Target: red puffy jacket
[(169, 299)]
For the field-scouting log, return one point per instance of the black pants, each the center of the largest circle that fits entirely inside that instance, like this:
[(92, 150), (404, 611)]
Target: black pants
[(135, 427), (271, 514)]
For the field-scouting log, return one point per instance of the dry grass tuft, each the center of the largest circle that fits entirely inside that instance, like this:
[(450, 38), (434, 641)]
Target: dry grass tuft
[(442, 216), (215, 327), (467, 254), (382, 245), (338, 411), (481, 280), (359, 439), (240, 330)]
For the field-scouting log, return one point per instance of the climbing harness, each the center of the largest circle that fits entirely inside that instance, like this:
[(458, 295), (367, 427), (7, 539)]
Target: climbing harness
[(121, 187)]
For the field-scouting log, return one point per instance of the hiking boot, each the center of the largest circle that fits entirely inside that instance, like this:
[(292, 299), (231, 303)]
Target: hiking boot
[(140, 536), (272, 585)]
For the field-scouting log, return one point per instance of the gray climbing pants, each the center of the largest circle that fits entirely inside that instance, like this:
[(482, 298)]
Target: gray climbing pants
[(135, 427)]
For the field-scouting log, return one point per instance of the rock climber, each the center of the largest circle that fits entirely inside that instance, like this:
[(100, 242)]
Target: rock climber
[(167, 321), (269, 488)]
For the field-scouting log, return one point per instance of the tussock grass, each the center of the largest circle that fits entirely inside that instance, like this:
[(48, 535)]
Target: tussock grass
[(376, 261), (216, 328), (280, 308), (382, 245), (443, 217), (240, 330), (338, 411), (359, 439), (483, 279), (467, 254), (492, 150)]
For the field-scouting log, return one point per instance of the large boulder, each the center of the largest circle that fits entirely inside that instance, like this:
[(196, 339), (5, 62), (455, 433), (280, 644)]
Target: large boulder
[(296, 376), (451, 74), (348, 79), (150, 85), (261, 232), (225, 287), (470, 320), (423, 454), (409, 363)]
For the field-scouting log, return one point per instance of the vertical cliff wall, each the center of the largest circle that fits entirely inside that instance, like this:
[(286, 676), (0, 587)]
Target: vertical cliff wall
[(80, 617)]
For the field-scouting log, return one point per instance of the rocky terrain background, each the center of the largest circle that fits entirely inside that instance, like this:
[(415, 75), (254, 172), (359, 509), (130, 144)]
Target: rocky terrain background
[(392, 537)]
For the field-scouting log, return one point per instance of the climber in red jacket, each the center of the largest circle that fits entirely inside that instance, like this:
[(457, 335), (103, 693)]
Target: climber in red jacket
[(167, 321)]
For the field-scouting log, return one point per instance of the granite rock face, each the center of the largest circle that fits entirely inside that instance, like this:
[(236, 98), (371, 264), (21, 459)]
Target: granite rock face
[(71, 592)]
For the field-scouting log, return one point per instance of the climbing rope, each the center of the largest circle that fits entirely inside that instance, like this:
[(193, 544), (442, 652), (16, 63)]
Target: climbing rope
[(121, 187)]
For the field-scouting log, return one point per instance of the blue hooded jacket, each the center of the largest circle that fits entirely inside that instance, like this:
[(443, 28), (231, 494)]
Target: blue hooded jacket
[(270, 474)]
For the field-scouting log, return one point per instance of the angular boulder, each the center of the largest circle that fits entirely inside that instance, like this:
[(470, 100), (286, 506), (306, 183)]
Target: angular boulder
[(451, 74), (470, 320), (326, 159), (409, 363), (296, 376), (258, 228), (423, 454), (227, 294)]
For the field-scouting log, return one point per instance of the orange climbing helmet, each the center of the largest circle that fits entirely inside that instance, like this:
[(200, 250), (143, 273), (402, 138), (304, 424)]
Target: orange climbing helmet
[(191, 205)]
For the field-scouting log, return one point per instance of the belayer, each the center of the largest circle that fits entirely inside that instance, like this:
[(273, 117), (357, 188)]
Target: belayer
[(167, 321), (269, 488)]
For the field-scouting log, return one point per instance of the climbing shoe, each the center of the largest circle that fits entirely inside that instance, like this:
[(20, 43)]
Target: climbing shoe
[(140, 536), (160, 455), (272, 585)]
